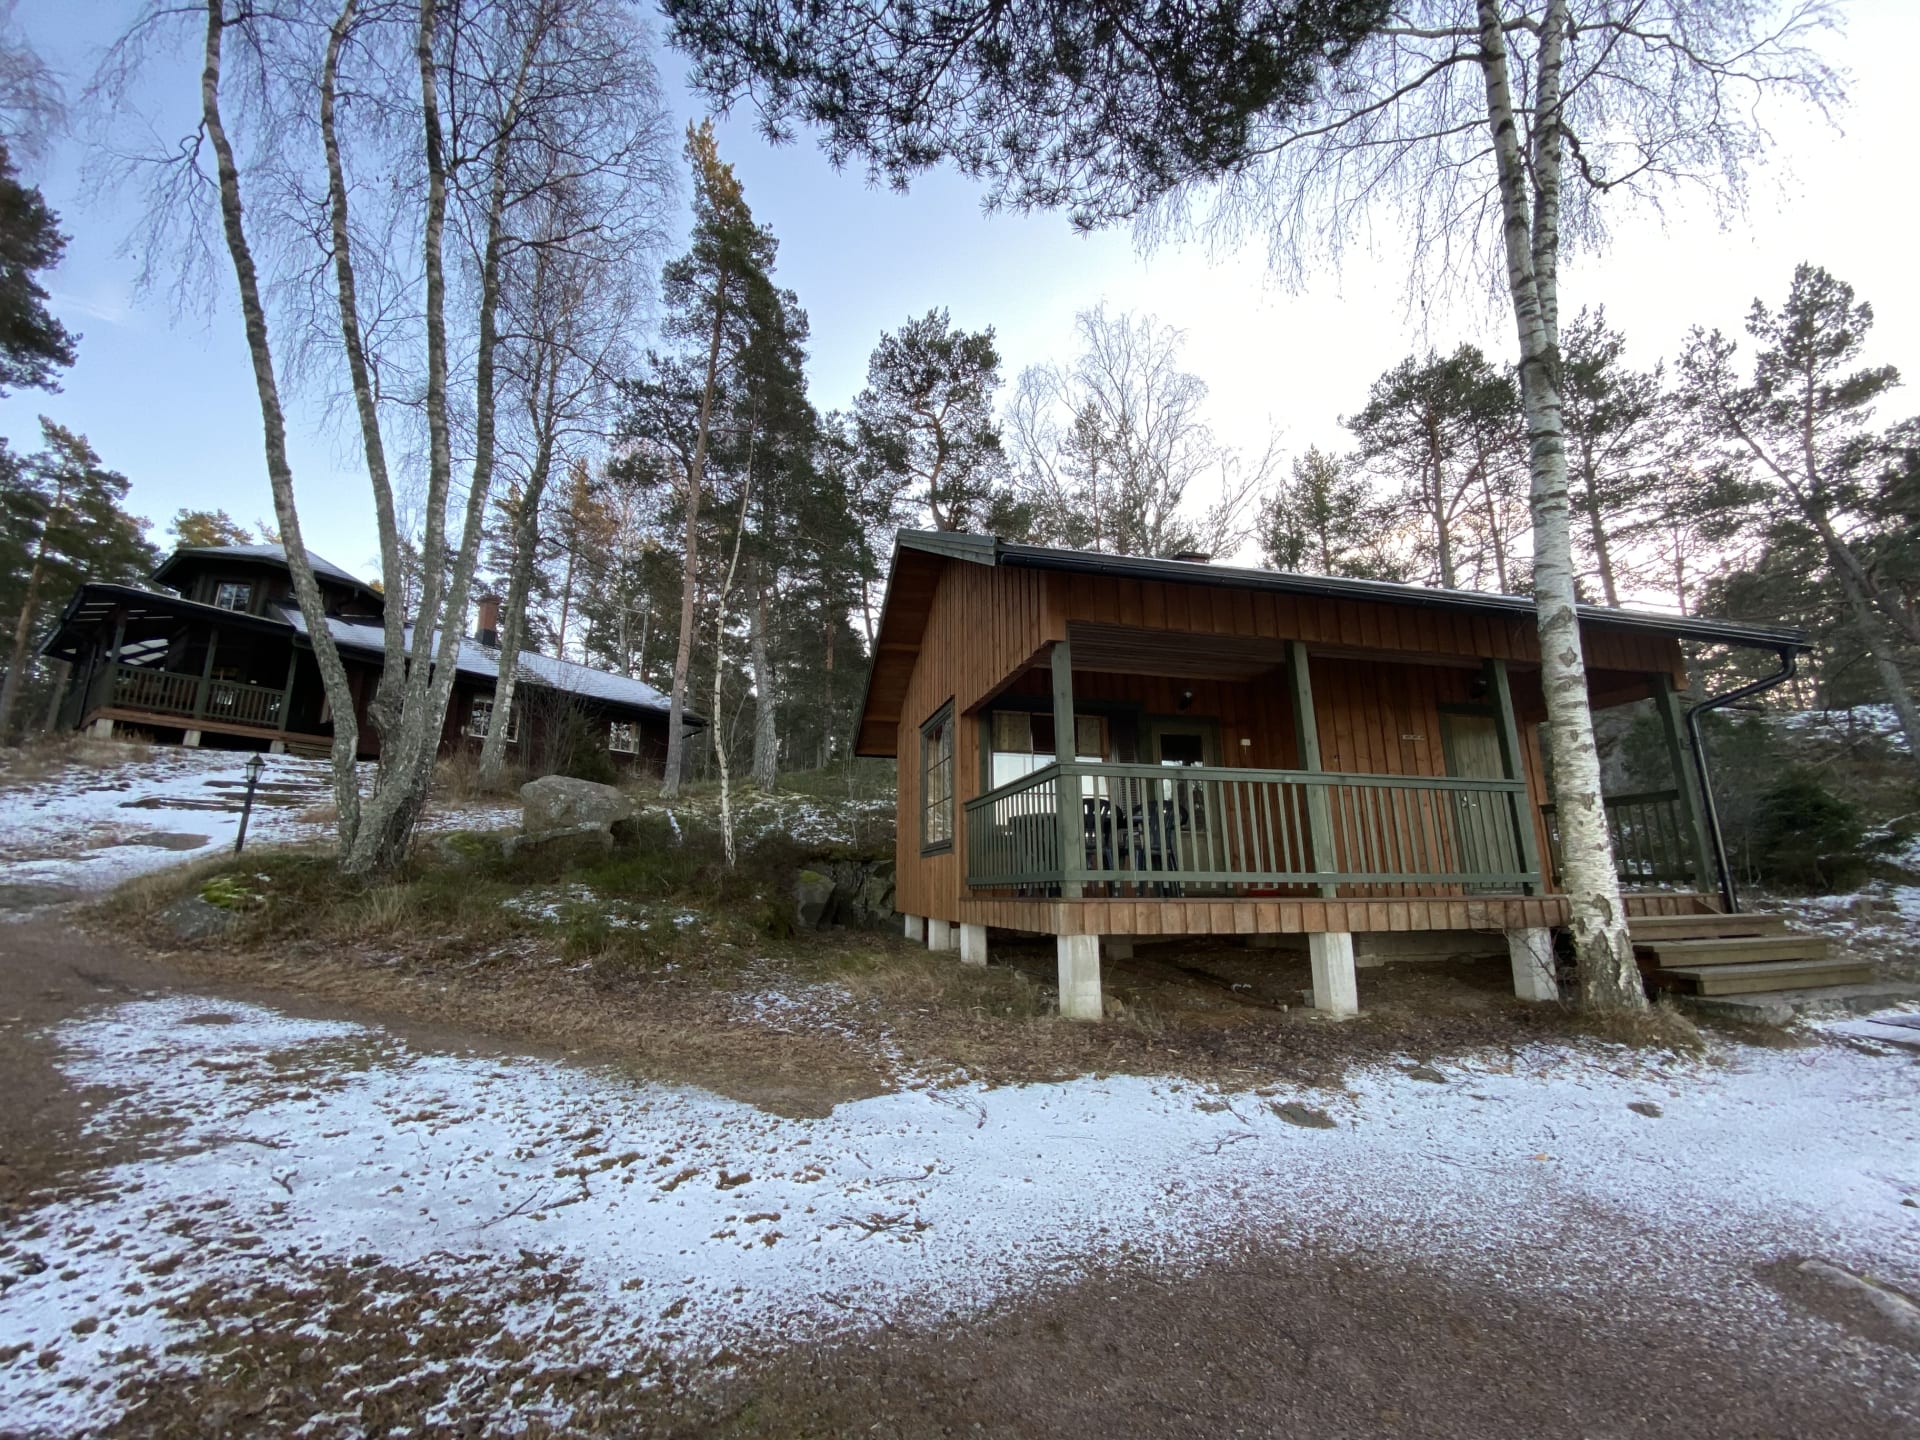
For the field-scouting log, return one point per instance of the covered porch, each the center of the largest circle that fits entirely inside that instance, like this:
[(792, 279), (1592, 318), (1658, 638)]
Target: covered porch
[(1135, 784), (151, 662), (1148, 770)]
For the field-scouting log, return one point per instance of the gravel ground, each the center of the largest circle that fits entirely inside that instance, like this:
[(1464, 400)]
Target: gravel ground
[(223, 1216)]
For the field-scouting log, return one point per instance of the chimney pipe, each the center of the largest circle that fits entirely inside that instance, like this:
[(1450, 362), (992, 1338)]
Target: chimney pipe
[(487, 632)]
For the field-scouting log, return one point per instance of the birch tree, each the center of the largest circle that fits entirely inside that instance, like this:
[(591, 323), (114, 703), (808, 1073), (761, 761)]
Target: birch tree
[(375, 137), (576, 283), (1495, 135), (1113, 448)]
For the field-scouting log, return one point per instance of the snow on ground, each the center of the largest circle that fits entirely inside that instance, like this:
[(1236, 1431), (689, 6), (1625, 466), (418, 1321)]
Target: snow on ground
[(697, 1223), (88, 828), (1845, 725)]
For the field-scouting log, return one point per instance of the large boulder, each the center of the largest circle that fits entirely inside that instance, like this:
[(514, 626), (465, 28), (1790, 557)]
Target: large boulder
[(558, 802), (812, 899)]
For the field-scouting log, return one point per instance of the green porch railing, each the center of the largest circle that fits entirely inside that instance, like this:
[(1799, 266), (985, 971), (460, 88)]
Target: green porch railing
[(1648, 835), (1150, 829)]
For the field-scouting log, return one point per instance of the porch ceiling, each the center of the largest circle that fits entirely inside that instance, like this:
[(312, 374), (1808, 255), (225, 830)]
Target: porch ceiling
[(1124, 650)]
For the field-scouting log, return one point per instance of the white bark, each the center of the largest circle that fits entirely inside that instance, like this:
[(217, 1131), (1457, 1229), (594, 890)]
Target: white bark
[(720, 670), (690, 575), (1609, 976), (306, 590)]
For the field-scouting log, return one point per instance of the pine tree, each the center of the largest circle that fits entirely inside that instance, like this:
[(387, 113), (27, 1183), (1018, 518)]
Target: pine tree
[(1446, 431), (1618, 422), (1800, 434), (61, 522), (927, 418), (201, 528), (1326, 520)]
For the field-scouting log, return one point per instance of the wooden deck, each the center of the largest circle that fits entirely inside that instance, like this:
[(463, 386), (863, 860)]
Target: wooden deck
[(161, 720), (1304, 916)]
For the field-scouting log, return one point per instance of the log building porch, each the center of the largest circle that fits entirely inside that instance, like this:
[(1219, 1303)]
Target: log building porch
[(1101, 748)]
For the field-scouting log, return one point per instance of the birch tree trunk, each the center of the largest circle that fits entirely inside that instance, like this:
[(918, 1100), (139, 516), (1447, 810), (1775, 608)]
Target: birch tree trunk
[(720, 674), (306, 591), (513, 626), (689, 579), (388, 694), (766, 729), (1609, 976)]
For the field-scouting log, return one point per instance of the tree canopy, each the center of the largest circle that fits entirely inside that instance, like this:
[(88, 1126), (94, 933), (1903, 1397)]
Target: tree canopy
[(1098, 109)]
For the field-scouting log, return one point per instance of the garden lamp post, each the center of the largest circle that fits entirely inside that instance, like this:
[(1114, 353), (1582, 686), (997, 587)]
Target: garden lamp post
[(254, 766)]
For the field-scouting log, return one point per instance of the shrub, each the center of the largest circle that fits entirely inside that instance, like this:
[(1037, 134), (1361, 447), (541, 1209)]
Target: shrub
[(1806, 835)]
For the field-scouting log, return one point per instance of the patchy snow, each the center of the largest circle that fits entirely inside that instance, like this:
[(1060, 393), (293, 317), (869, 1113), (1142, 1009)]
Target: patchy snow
[(91, 827), (696, 1222), (1845, 726)]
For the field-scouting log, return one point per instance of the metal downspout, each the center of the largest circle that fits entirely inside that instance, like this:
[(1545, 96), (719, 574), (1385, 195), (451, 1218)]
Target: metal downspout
[(1789, 666)]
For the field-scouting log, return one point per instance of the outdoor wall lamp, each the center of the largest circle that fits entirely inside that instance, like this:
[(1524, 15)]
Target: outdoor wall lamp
[(1186, 701)]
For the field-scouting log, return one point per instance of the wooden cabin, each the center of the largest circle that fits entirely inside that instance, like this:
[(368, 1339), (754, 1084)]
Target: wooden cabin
[(1102, 747), (215, 652)]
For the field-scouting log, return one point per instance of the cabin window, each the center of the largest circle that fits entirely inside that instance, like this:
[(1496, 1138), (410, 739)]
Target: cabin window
[(623, 737), (1023, 741), (481, 720), (936, 781), (234, 595)]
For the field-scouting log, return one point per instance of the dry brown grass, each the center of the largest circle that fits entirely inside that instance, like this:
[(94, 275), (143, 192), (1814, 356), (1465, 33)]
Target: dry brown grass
[(40, 757)]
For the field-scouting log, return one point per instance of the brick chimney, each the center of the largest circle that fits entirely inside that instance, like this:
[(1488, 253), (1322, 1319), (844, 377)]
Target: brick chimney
[(487, 632)]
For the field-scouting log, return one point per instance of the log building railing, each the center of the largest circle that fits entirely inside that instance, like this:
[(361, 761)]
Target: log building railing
[(190, 697), (1651, 844), (1149, 829)]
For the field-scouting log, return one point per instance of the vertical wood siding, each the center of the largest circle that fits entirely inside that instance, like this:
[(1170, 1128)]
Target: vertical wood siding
[(988, 626)]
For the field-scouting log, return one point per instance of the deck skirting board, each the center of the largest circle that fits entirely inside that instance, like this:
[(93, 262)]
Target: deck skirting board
[(1297, 917)]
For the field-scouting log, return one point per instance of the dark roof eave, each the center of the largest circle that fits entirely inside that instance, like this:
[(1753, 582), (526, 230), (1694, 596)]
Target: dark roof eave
[(985, 550)]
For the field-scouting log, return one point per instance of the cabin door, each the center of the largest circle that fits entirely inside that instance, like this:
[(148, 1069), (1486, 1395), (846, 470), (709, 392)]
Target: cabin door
[(1482, 826), (1187, 820)]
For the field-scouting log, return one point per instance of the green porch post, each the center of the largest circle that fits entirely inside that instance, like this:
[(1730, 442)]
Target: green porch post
[(206, 675), (1306, 730), (1066, 788), (1666, 702), (1514, 768)]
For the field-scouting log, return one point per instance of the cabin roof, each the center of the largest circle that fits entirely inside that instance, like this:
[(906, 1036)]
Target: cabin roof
[(369, 637), (97, 602), (919, 556), (272, 554)]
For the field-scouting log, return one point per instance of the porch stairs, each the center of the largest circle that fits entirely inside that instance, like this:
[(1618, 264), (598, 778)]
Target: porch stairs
[(1738, 955)]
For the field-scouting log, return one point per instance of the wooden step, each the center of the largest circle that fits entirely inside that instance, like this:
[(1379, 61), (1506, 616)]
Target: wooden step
[(1646, 928), (1764, 976), (1739, 950)]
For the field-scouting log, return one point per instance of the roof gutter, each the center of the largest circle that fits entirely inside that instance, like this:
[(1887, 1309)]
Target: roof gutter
[(1789, 666)]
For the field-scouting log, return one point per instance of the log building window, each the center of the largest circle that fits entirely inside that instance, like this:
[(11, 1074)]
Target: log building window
[(234, 595), (482, 718), (936, 781), (623, 737)]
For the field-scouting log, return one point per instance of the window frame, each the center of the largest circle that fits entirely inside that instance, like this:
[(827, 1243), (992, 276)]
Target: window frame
[(477, 729), (632, 731), (938, 730), (242, 588)]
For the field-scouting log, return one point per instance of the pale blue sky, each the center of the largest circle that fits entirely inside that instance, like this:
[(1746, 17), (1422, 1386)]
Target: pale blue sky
[(171, 404)]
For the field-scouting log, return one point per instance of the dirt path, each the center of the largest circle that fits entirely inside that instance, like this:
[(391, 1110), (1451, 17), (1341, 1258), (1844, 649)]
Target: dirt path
[(184, 1147)]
